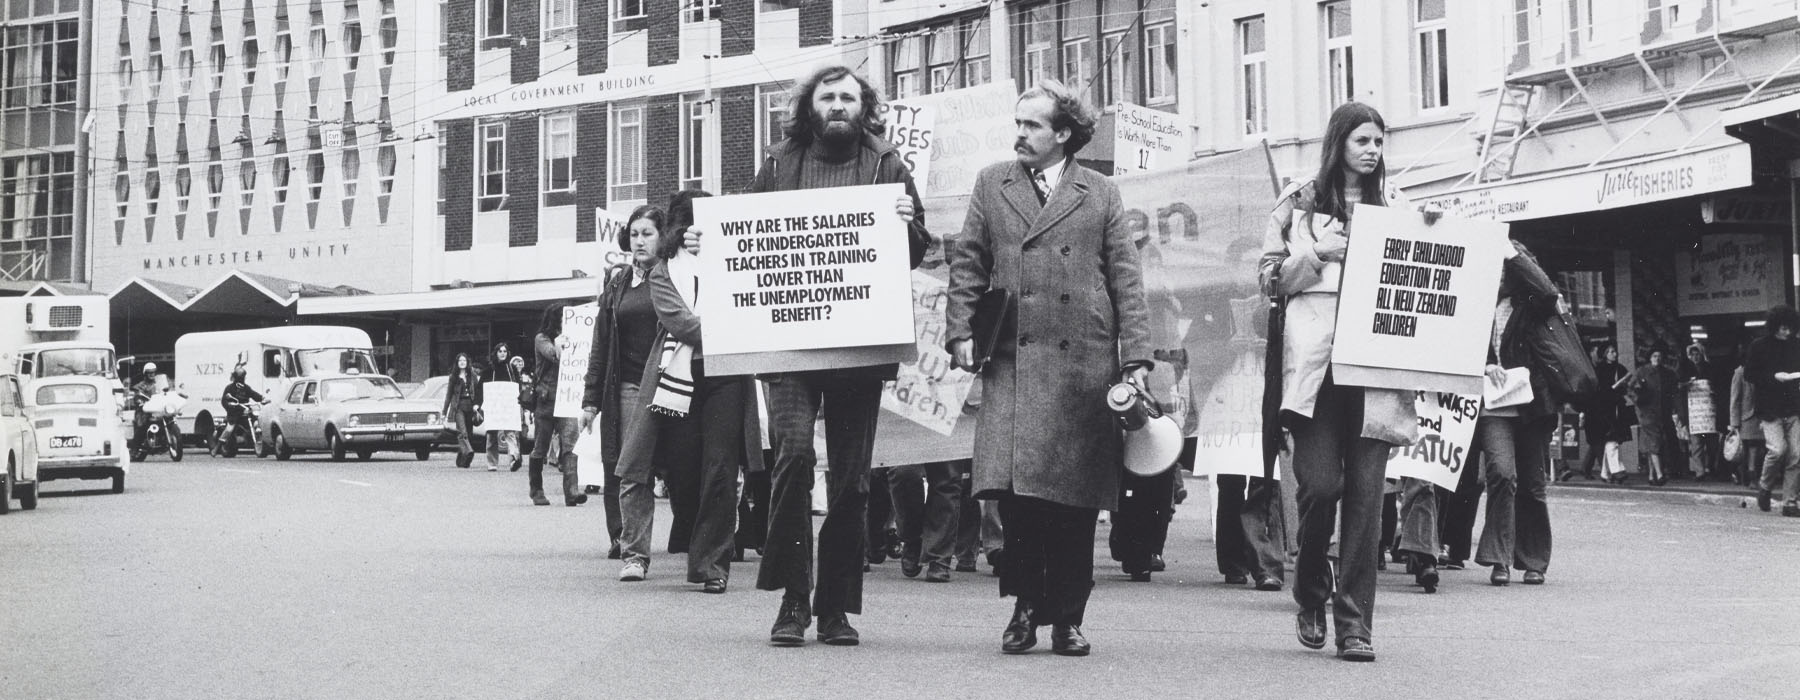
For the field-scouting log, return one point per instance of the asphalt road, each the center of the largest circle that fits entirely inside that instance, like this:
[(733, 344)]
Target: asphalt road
[(401, 579)]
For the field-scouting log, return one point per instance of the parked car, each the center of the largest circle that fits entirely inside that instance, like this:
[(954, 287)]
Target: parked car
[(433, 390), (81, 431), (341, 414), (18, 442)]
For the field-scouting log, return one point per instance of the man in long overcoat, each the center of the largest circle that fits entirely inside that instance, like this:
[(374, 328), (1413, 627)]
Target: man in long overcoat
[(1047, 448)]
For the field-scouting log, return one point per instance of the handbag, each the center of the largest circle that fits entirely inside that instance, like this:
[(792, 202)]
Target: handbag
[(1734, 447), (1555, 349), (475, 420), (1513, 389)]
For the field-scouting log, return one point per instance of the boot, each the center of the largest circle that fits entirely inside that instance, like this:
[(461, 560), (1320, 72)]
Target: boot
[(572, 495), (537, 482)]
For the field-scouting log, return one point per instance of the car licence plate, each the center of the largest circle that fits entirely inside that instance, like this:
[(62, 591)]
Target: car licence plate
[(394, 436), (65, 441)]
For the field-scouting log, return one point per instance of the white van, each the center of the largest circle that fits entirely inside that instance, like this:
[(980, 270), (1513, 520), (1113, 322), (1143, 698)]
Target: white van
[(271, 358)]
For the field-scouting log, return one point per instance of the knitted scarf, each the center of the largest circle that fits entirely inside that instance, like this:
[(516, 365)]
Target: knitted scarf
[(674, 393)]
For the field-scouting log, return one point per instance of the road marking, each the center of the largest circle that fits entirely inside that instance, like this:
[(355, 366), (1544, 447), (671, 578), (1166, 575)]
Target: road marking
[(239, 471), (354, 483)]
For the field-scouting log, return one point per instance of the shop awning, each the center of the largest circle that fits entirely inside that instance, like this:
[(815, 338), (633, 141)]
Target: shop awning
[(1773, 124), (1703, 169), (449, 305)]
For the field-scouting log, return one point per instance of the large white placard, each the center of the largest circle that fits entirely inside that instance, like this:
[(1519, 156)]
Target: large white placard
[(1446, 440), (572, 347), (500, 406), (1148, 139), (1416, 308), (929, 392), (910, 129), (972, 129), (800, 271)]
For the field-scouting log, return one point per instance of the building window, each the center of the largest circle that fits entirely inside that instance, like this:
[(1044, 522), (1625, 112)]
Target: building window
[(184, 187), (246, 182), (903, 64), (156, 74), (699, 10), (490, 165), (251, 52), (493, 19), (626, 171), (1253, 82), (351, 48), (443, 165), (626, 9), (315, 171), (559, 14), (38, 64), (1077, 62), (389, 163), (1340, 59), (282, 170), (941, 55), (697, 143), (1159, 64), (284, 54), (184, 76), (1040, 40), (443, 27), (776, 5), (559, 152), (37, 215), (216, 62), (315, 47), (1433, 54), (772, 104), (1115, 83), (126, 75), (977, 67)]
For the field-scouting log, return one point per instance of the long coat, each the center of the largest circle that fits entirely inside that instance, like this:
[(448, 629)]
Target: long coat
[(1044, 429)]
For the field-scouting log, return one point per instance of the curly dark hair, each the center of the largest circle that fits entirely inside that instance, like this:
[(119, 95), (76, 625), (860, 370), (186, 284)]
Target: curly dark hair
[(551, 323), (681, 216), (1782, 315), (1070, 112), (648, 211), (799, 123)]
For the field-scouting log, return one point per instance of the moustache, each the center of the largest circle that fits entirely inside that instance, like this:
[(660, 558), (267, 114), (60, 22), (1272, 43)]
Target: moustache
[(1025, 148)]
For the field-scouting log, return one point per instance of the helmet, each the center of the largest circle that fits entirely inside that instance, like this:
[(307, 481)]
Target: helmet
[(149, 368), (237, 375)]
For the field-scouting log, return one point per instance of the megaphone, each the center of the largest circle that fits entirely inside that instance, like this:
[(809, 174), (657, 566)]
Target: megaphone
[(1152, 439)]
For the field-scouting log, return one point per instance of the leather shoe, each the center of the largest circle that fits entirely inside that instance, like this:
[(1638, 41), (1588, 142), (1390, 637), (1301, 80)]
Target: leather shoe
[(1266, 582), (1356, 649), (714, 585), (1066, 640), (1140, 576), (1534, 578), (1501, 576), (1157, 563), (835, 629), (1236, 579), (996, 559), (1764, 500), (967, 566), (938, 573), (790, 624), (1021, 633), (910, 566), (1309, 627), (614, 552), (1791, 509)]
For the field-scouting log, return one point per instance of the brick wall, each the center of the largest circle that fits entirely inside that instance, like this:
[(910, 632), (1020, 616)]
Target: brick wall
[(662, 151), (816, 22), (739, 158), (590, 167), (522, 179), (592, 18), (459, 188), (522, 21), (665, 30), (459, 68), (737, 20)]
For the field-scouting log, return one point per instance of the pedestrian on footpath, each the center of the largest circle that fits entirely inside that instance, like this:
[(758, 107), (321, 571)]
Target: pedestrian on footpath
[(1047, 447), (462, 399), (1606, 416), (562, 432), (1655, 389), (698, 427), (1773, 368), (1700, 378), (624, 333), (927, 507), (834, 137), (1746, 427), (501, 369), (1419, 542), (1515, 439), (1341, 434)]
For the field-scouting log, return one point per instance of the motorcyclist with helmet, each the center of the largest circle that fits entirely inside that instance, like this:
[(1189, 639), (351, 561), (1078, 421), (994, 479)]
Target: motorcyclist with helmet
[(141, 392), (235, 398)]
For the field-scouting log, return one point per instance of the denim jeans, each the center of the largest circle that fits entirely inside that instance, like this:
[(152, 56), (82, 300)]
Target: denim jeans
[(1515, 452), (1782, 436), (927, 507), (1333, 463), (1250, 537), (1419, 516)]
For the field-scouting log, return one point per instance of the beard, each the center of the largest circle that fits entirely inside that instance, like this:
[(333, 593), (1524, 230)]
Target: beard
[(834, 133)]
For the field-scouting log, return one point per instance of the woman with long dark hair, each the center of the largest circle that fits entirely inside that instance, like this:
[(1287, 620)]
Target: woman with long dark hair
[(1341, 434), (549, 428), (1606, 418), (461, 399), (1655, 391), (500, 369), (700, 428), (624, 333)]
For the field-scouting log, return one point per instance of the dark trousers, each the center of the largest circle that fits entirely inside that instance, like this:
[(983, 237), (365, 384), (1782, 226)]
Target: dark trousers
[(1457, 510), (927, 507), (1419, 518), (1515, 452), (1333, 463), (1250, 533), (1141, 524), (881, 530), (753, 508), (850, 408), (969, 515), (701, 454), (1049, 557)]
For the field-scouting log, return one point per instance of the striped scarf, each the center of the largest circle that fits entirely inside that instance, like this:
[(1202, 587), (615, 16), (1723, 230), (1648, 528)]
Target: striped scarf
[(675, 382)]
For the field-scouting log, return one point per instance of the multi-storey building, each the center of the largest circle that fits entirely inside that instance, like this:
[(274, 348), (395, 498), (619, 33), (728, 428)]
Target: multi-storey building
[(43, 155)]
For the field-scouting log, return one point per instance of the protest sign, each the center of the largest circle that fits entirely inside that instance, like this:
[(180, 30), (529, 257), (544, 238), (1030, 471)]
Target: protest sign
[(971, 129), (1229, 433), (804, 280), (1148, 139), (909, 128), (1729, 274), (607, 226), (1701, 416), (572, 348), (1416, 305), (928, 391), (500, 405), (1446, 439)]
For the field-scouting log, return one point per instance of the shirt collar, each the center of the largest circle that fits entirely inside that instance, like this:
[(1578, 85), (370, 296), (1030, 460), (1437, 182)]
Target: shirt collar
[(1053, 173)]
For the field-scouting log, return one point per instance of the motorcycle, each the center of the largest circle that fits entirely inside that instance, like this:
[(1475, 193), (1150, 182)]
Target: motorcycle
[(160, 433), (224, 442)]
